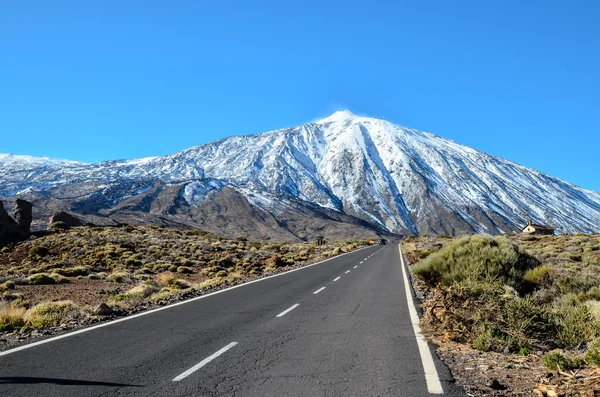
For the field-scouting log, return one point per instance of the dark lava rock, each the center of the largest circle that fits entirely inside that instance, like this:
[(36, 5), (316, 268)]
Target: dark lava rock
[(10, 231), (103, 310), (496, 385), (66, 218), (23, 214)]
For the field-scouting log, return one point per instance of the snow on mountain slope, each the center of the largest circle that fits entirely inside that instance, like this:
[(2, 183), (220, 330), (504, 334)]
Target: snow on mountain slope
[(403, 180)]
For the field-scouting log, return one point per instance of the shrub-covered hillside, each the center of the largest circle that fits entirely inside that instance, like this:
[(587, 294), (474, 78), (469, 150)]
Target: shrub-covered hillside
[(73, 275), (514, 295)]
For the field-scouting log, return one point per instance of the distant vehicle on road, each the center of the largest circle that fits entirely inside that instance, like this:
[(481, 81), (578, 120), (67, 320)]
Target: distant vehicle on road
[(382, 241)]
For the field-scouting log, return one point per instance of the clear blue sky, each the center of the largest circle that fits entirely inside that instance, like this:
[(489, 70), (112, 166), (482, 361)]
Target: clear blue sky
[(96, 80)]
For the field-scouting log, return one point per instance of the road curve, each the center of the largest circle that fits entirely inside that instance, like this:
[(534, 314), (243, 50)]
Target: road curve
[(339, 328)]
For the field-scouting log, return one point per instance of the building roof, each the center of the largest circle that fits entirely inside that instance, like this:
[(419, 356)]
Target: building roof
[(538, 226)]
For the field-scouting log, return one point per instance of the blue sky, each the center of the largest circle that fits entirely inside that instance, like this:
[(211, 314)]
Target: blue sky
[(97, 80)]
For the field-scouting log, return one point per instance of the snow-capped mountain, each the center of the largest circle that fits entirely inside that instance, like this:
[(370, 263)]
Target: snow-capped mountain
[(397, 179)]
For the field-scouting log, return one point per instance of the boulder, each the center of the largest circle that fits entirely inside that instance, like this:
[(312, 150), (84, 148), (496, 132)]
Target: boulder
[(23, 214), (103, 310), (9, 229), (66, 219)]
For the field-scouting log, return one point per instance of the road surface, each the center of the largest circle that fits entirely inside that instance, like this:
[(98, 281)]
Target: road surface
[(339, 328)]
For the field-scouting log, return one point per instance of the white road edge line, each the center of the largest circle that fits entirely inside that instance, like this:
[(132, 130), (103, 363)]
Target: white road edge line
[(286, 311), (336, 279), (203, 362), (434, 386), (347, 271), (319, 290), (80, 331)]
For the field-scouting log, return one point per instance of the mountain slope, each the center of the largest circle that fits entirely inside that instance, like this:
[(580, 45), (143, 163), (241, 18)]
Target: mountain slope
[(396, 179)]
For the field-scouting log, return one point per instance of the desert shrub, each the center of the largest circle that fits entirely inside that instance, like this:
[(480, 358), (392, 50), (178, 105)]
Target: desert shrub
[(7, 285), (525, 351), (592, 356), (60, 279), (575, 324), (594, 293), (179, 284), (73, 271), (255, 244), (143, 290), (337, 251), (274, 262), (487, 337), (50, 313), (214, 282), (11, 317), (478, 258), (40, 279), (555, 361), (120, 277), (60, 225), (164, 294), (539, 275), (38, 252), (594, 308), (221, 273), (424, 254), (185, 270), (528, 317)]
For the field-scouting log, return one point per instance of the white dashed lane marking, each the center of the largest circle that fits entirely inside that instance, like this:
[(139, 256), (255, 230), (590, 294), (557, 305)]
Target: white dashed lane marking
[(286, 311), (203, 362)]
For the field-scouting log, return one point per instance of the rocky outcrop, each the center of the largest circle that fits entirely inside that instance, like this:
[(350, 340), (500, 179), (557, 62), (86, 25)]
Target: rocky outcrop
[(65, 218), (9, 229), (103, 310), (23, 214)]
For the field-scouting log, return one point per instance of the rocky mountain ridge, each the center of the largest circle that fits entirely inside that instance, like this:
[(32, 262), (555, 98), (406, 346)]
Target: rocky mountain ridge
[(345, 168)]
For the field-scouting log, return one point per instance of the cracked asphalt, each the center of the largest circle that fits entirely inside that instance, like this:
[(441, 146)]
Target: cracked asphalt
[(352, 339)]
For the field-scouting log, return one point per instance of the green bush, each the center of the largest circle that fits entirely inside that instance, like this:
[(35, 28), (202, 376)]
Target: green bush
[(120, 277), (73, 271), (60, 279), (50, 313), (178, 284), (40, 279), (7, 285), (528, 317), (60, 225), (592, 356), (594, 293), (554, 361), (525, 351), (424, 254), (477, 258), (539, 275), (575, 324), (38, 252), (185, 270)]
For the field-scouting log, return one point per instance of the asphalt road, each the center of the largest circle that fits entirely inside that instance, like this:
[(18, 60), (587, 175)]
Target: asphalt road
[(340, 328)]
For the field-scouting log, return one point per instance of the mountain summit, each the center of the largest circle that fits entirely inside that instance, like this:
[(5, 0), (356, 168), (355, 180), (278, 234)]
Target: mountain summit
[(345, 168), (340, 115)]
